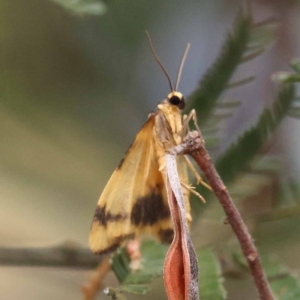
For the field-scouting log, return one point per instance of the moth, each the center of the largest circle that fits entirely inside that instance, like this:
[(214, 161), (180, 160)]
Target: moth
[(134, 201)]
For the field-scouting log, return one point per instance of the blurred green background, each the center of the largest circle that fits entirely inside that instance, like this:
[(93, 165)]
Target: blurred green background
[(75, 87)]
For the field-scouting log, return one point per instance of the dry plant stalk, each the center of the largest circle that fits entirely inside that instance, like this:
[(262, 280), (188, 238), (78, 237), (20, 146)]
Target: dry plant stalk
[(181, 265), (91, 289)]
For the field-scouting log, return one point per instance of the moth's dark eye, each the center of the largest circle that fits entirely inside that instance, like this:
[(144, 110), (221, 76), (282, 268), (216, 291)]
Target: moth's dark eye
[(175, 100)]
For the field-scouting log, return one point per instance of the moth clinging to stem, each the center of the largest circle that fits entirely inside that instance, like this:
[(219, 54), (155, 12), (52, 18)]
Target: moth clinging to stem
[(134, 201)]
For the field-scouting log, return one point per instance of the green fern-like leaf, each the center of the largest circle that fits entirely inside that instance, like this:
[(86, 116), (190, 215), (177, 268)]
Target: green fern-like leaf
[(217, 77), (245, 42), (239, 154)]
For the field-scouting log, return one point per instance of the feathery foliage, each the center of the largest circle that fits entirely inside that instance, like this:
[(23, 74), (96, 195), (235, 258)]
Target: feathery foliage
[(217, 77), (245, 42), (239, 154)]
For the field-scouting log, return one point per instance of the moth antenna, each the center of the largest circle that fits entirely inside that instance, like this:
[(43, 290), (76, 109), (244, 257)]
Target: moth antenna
[(181, 65), (158, 61)]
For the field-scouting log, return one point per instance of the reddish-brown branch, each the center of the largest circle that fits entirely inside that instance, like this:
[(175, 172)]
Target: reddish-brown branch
[(91, 289), (194, 146)]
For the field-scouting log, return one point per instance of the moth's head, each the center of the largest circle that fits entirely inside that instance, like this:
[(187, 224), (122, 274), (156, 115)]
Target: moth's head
[(176, 99)]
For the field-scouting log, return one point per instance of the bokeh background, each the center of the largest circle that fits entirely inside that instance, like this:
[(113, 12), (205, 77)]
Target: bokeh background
[(76, 86)]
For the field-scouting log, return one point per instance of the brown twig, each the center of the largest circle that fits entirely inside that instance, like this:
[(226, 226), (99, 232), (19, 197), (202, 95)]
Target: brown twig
[(194, 146), (66, 255), (91, 289)]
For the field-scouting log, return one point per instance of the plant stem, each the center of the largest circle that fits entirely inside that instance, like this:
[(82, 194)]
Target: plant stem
[(194, 146), (66, 255), (91, 289)]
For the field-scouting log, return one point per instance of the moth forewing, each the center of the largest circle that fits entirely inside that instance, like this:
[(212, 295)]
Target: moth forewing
[(134, 200)]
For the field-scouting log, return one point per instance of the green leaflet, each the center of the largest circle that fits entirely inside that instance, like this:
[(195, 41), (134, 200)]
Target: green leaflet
[(135, 289), (289, 77), (153, 255), (83, 7), (210, 280), (284, 283)]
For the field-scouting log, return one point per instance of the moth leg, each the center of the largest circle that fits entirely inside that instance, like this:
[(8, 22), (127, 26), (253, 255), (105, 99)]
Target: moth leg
[(185, 126), (196, 174), (191, 189), (191, 116)]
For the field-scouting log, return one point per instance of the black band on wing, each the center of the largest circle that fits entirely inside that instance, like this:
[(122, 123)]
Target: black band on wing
[(149, 209), (104, 217)]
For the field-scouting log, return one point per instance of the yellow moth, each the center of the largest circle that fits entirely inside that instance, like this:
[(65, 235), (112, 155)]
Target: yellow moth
[(134, 201)]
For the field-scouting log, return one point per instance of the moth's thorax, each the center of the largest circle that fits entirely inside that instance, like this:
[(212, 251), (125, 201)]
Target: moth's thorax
[(166, 108), (172, 115)]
